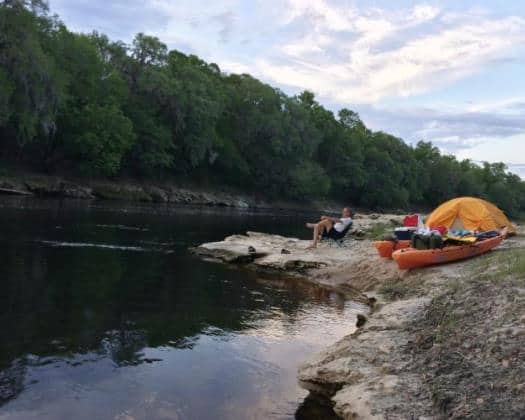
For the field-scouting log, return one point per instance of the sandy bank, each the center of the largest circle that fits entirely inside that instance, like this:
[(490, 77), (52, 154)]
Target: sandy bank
[(443, 342), (446, 341), (354, 266)]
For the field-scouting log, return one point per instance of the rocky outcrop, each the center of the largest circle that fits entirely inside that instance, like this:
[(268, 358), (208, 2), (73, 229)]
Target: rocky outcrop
[(273, 252), (54, 187), (12, 380), (423, 323), (453, 328), (361, 374), (355, 265), (50, 186)]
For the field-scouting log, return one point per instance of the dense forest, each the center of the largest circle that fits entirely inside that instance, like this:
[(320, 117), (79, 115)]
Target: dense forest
[(83, 104)]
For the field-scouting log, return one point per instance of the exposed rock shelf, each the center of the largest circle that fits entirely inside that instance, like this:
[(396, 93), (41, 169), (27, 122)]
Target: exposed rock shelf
[(452, 328), (50, 186), (353, 266), (425, 322)]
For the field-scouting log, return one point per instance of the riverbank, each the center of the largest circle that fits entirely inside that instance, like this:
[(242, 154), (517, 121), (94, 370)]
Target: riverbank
[(128, 190), (133, 190), (351, 269), (445, 341)]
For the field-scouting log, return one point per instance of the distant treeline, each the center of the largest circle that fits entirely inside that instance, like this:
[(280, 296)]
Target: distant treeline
[(84, 104)]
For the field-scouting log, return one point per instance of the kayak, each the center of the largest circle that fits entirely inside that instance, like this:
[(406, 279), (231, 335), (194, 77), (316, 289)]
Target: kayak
[(412, 258), (386, 248)]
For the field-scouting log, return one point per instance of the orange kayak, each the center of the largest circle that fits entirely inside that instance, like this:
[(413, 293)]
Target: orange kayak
[(412, 258), (386, 248)]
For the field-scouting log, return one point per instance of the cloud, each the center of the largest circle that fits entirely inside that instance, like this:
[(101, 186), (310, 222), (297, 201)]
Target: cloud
[(494, 134), (355, 56), (453, 128), (234, 67), (225, 21), (518, 169), (121, 19), (365, 58), (343, 53)]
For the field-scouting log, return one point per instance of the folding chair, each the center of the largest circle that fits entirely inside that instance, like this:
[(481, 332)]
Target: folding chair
[(339, 239)]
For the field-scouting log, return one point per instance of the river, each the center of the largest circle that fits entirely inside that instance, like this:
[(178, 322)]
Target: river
[(105, 314)]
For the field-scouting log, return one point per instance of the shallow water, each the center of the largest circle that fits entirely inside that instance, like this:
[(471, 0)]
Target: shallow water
[(106, 315)]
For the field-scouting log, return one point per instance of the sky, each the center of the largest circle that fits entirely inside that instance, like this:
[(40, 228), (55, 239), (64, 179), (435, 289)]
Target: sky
[(450, 72)]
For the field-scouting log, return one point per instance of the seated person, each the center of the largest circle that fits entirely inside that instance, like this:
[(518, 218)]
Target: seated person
[(330, 227)]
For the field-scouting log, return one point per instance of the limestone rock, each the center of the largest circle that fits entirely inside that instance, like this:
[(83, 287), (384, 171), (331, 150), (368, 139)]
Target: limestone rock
[(157, 194), (354, 266), (360, 372)]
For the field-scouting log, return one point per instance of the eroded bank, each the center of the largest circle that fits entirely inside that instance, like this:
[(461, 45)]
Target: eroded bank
[(440, 342)]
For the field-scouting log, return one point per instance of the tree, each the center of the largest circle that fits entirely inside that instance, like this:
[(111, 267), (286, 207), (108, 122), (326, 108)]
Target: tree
[(199, 104), (74, 102), (351, 119), (384, 185), (101, 138), (27, 73), (148, 50), (309, 181), (6, 90), (38, 7)]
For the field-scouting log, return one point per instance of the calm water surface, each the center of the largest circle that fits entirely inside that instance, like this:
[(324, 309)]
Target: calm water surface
[(106, 315)]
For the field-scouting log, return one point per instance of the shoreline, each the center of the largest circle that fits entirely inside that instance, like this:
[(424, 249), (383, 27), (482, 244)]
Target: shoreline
[(133, 190), (428, 328)]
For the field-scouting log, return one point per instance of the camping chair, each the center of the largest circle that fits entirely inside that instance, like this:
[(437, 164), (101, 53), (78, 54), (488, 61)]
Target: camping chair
[(339, 239)]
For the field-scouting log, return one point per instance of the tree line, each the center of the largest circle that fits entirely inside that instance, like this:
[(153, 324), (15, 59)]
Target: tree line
[(83, 104)]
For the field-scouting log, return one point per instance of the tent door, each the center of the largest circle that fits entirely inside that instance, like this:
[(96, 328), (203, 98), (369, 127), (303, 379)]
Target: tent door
[(457, 225)]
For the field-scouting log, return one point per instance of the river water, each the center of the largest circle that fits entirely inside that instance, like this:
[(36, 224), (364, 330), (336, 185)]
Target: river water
[(105, 314)]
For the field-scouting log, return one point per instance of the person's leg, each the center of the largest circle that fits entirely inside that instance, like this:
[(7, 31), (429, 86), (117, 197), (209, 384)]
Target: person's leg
[(312, 225), (327, 224), (319, 229), (315, 237)]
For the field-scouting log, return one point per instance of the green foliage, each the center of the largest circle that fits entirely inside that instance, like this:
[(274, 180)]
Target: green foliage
[(84, 103), (6, 90), (27, 72), (308, 181), (378, 231), (148, 50), (104, 134)]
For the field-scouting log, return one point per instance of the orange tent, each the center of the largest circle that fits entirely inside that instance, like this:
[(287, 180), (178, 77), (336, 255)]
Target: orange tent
[(471, 214)]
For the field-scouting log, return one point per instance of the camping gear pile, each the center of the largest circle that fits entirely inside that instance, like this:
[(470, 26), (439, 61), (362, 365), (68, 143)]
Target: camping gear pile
[(401, 237), (458, 229)]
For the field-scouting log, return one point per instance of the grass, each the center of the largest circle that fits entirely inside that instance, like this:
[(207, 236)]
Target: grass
[(447, 327), (396, 290), (500, 265), (378, 231), (512, 263), (494, 268), (476, 323)]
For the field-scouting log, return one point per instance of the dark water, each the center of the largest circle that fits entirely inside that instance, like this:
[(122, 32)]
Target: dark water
[(104, 314)]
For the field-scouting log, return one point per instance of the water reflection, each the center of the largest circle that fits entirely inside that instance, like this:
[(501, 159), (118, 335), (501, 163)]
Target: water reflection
[(91, 332)]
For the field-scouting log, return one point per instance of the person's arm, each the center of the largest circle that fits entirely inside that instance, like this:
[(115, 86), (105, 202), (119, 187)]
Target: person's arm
[(332, 219), (346, 221)]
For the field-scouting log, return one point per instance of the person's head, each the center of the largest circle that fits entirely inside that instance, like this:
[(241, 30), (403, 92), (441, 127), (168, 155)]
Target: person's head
[(346, 212)]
